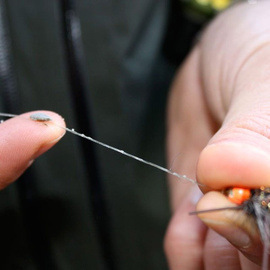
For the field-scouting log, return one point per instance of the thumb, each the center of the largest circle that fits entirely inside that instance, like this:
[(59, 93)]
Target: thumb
[(22, 140), (238, 95), (239, 153)]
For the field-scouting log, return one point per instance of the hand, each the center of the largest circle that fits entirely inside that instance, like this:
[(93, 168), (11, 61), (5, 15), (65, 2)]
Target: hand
[(218, 121), (22, 140)]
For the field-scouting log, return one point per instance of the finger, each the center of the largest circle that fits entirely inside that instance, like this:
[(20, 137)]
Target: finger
[(219, 253), (237, 227), (22, 140), (246, 264), (239, 153), (227, 46), (185, 237)]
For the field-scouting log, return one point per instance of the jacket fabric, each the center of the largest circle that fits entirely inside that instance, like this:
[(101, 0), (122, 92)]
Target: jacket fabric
[(131, 50)]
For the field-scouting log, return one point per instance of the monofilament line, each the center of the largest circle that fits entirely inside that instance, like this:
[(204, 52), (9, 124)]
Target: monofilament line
[(41, 117), (130, 155), (8, 115)]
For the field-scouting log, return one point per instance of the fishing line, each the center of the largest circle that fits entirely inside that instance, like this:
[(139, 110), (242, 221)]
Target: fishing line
[(41, 117)]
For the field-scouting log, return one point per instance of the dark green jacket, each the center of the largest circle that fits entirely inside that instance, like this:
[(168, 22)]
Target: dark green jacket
[(131, 51)]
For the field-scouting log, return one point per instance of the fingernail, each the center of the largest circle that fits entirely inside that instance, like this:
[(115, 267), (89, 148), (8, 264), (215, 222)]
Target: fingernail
[(236, 236), (58, 138)]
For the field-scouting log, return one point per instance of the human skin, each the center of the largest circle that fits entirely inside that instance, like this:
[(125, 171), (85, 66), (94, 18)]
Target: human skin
[(22, 140), (218, 120)]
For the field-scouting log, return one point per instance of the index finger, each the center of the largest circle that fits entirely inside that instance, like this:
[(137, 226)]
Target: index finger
[(23, 139)]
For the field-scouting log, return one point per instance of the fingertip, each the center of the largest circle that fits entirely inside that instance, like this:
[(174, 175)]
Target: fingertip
[(53, 130), (228, 215), (226, 164), (236, 226), (23, 139)]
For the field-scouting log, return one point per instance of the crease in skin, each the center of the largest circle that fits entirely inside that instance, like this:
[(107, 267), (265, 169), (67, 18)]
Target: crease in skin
[(244, 62), (243, 49), (255, 125)]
